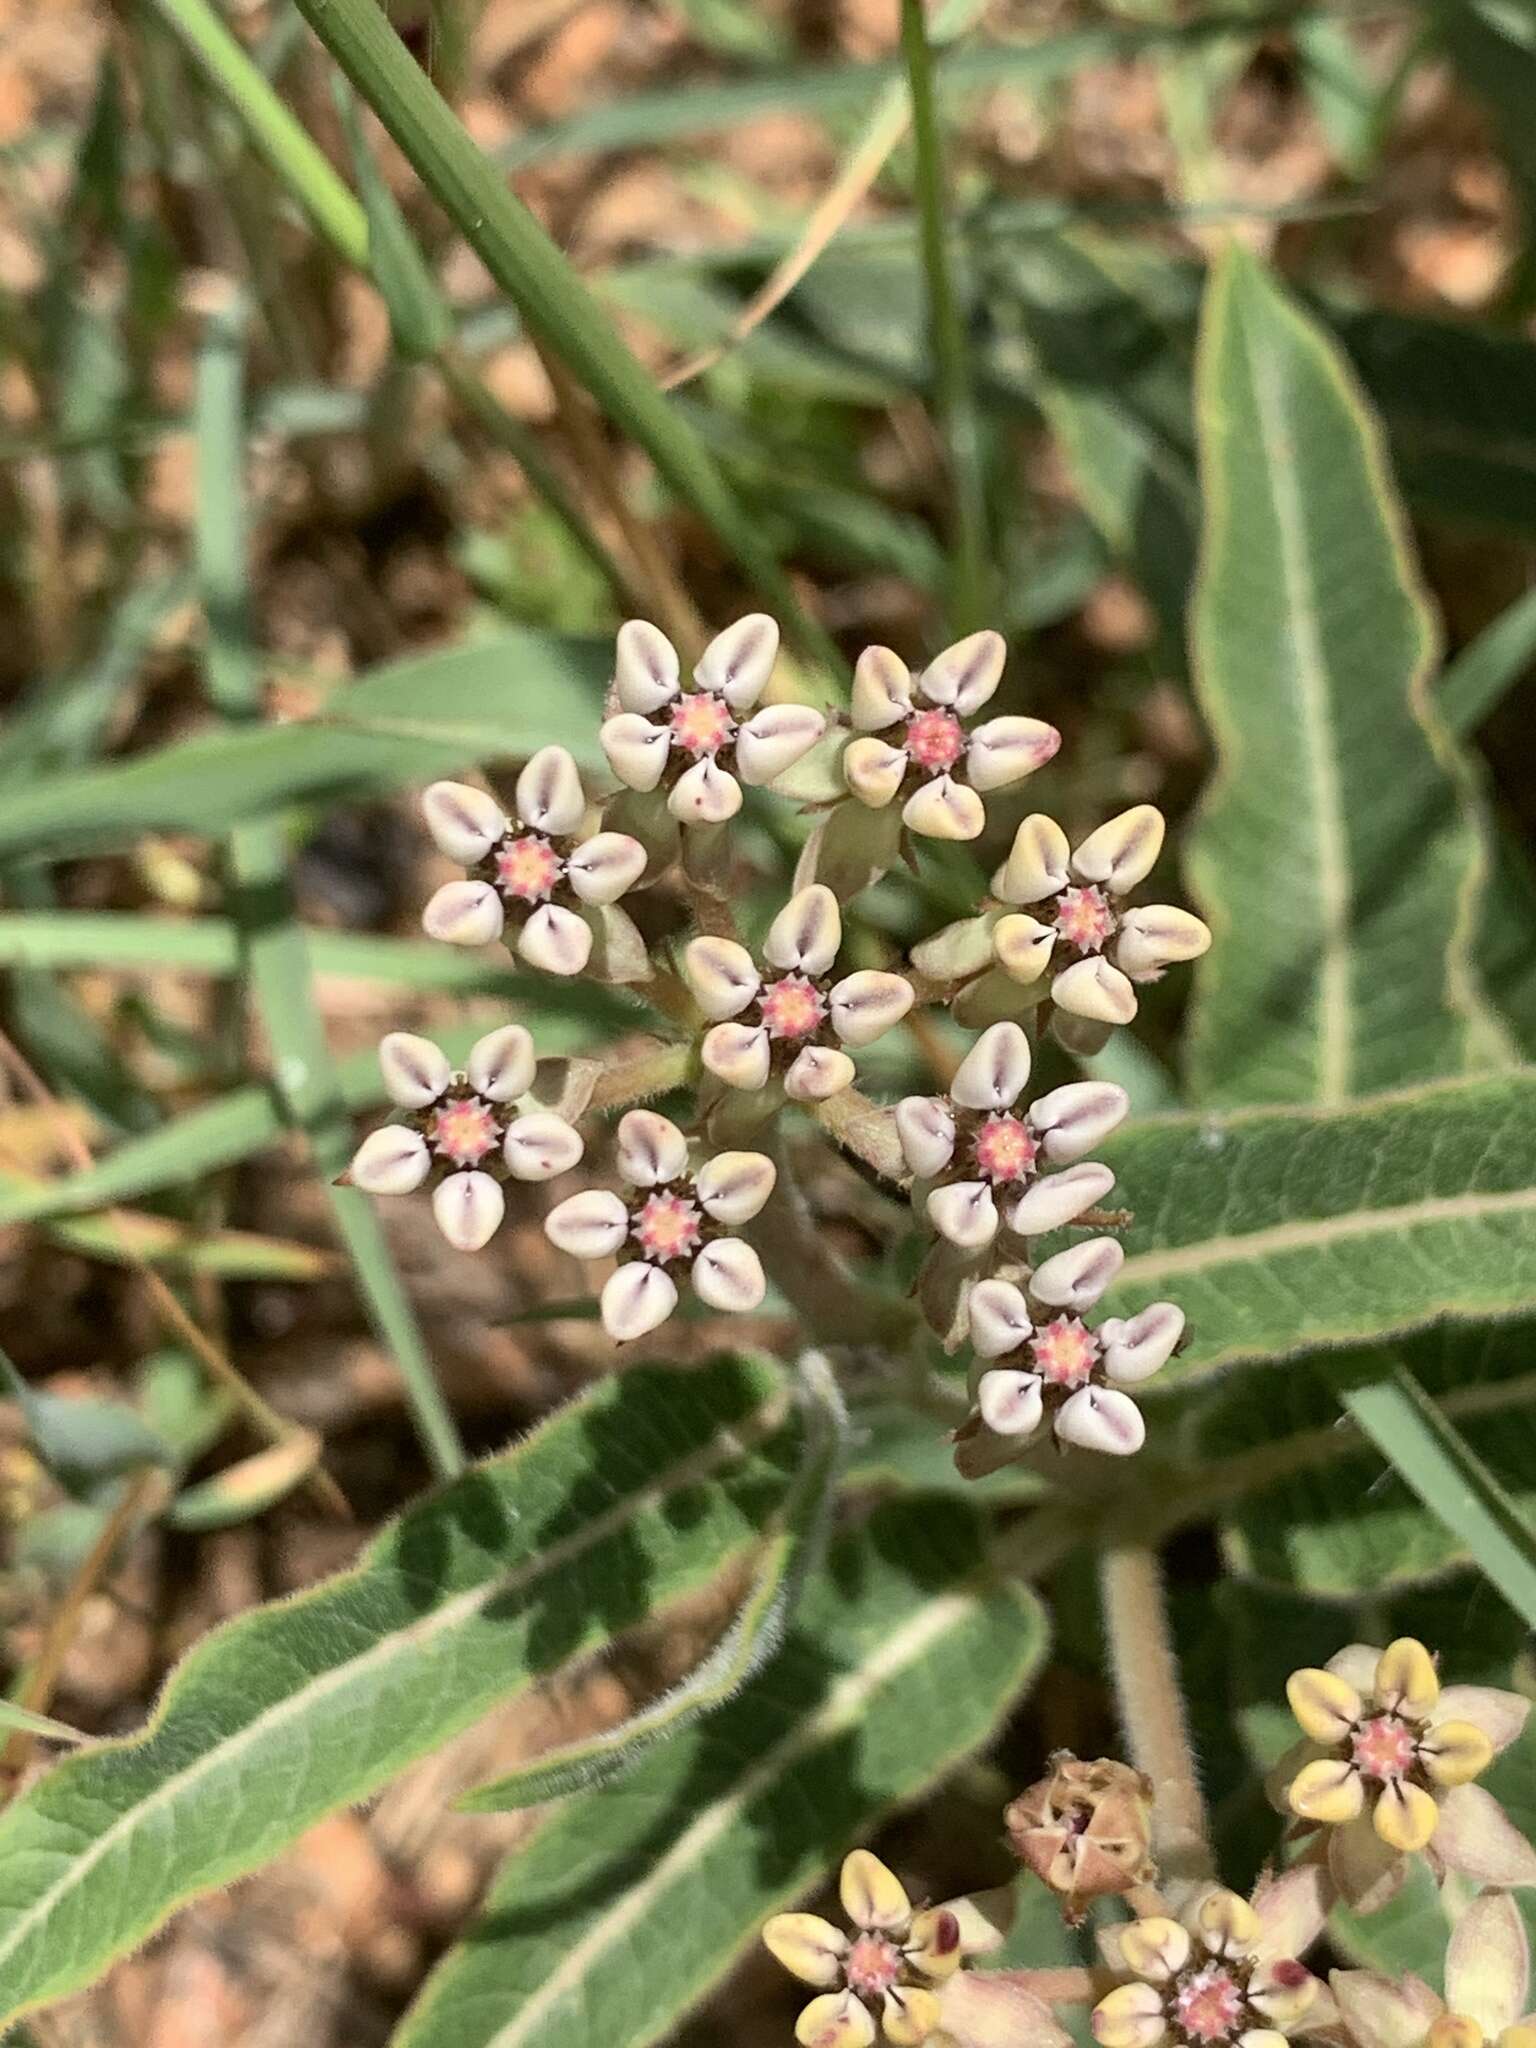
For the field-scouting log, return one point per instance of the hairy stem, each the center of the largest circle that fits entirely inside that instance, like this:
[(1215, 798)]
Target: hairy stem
[(835, 1307), (637, 1076)]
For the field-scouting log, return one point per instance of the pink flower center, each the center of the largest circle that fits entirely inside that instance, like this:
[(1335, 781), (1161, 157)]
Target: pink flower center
[(1006, 1149), (667, 1227), (872, 1965), (935, 740), (701, 723), (1084, 918), (464, 1132), (1065, 1352), (527, 868), (1383, 1748), (1210, 2006), (793, 1007)]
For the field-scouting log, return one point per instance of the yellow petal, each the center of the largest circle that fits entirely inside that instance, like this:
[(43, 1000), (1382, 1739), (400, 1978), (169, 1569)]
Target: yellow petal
[(1522, 2035), (1131, 2016), (1283, 1990), (1228, 1925), (1455, 1753), (935, 1945), (809, 1947), (1454, 2030), (1325, 1705), (1405, 1816), (1262, 2037), (835, 2021), (909, 2016), (872, 1895), (1405, 1677), (1154, 1948), (1328, 1790)]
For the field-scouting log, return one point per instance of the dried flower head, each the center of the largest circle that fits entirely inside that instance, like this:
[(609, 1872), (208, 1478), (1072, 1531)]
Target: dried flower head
[(677, 1219), (1487, 1990), (1085, 1829), (1209, 1983), (917, 741), (468, 1132), (529, 877), (698, 743), (788, 1016)]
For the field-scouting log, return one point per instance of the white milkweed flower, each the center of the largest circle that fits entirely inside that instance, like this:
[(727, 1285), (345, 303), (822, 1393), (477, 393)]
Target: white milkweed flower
[(464, 1131), (788, 1016), (677, 1218), (702, 742), (1069, 918), (916, 739), (1212, 1979), (985, 1163), (527, 873), (1043, 1360)]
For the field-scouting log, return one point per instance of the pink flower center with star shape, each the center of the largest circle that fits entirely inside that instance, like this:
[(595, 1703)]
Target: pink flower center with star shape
[(701, 723), (793, 1007), (667, 1227), (465, 1131), (1383, 1748), (935, 740), (1084, 918), (1005, 1149), (527, 868), (1210, 2007), (872, 1965), (1065, 1352)]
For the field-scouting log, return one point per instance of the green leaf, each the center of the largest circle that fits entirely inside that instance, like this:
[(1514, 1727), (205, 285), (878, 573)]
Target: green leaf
[(27, 1723), (1489, 666), (1282, 1231), (1331, 857), (419, 320), (620, 1503), (622, 1912), (81, 1441)]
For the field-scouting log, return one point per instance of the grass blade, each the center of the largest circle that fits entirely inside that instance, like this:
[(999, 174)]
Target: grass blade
[(1489, 666)]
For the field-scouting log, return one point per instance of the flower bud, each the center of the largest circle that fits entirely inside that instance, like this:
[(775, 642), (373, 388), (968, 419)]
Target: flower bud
[(957, 951), (606, 866), (468, 1207), (391, 1161), (1094, 989), (636, 1299), (737, 663), (733, 1186), (728, 1275), (805, 936), (882, 690), (636, 750), (501, 1066), (1005, 750), (1135, 1348), (737, 1054), (1022, 946), (549, 793), (944, 809), (541, 1145), (964, 1213), (591, 1225), (1059, 1198), (1073, 1119), (925, 1125), (995, 1070), (1124, 851), (873, 771), (651, 1149), (646, 671), (464, 822), (464, 914), (1009, 1402), (1100, 1419), (1153, 938), (555, 940), (999, 1318), (1085, 1830), (415, 1071), (1076, 1278), (865, 1005), (775, 738), (966, 675), (817, 1073), (705, 794)]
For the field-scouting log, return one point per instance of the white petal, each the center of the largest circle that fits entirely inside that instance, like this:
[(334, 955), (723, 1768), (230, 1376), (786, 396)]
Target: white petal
[(636, 750), (995, 1070), (540, 1145), (464, 914), (728, 1275), (738, 662), (1100, 1419), (1022, 946), (1488, 1964), (391, 1161), (468, 1207), (733, 1186), (603, 867), (1072, 1120), (1094, 989), (966, 675), (965, 1213), (867, 1004), (591, 1225), (1009, 1402), (1005, 750), (1077, 1277), (1038, 862), (873, 771), (882, 690), (774, 739), (549, 793), (999, 1317), (705, 794), (636, 1299), (805, 936), (556, 940), (1137, 1346), (465, 823), (651, 1149), (501, 1066), (817, 1073), (722, 975), (925, 1124), (944, 809), (737, 1054), (646, 672), (1123, 852), (415, 1071), (1156, 936), (1059, 1198)]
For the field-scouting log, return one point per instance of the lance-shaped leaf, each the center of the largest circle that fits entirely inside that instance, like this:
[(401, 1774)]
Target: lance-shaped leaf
[(1333, 856), (622, 1912), (623, 1501)]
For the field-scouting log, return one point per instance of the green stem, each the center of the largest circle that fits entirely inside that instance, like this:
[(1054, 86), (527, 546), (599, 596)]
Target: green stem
[(834, 1306)]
